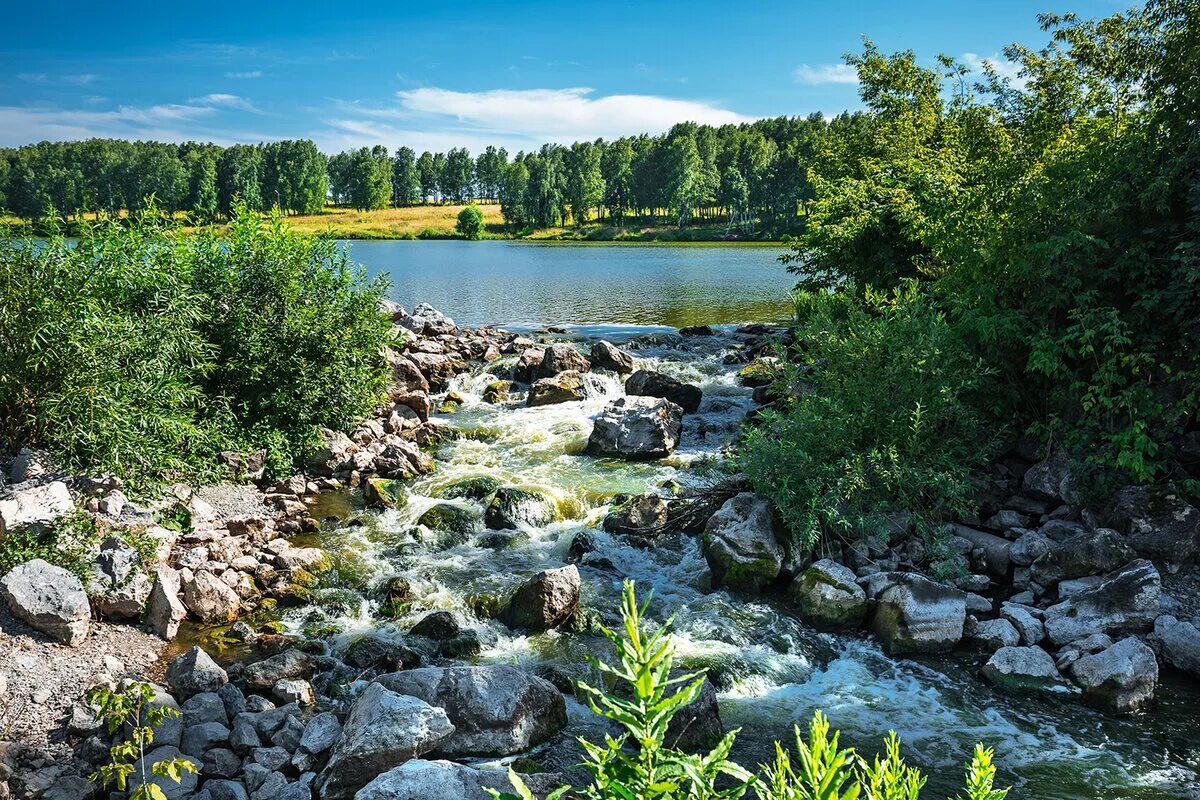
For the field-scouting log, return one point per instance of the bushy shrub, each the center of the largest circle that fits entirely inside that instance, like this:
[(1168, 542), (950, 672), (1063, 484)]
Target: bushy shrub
[(470, 222), (638, 765), (876, 416), (144, 352)]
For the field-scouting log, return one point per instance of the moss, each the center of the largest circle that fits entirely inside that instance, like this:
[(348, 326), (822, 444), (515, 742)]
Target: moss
[(448, 518), (478, 488)]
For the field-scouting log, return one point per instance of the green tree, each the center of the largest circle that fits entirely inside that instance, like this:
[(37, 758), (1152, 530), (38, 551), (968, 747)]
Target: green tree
[(585, 181), (427, 175), (684, 187), (406, 180), (470, 222), (239, 176), (513, 189)]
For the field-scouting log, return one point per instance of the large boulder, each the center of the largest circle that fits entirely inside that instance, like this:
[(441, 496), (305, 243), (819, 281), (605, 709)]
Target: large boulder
[(1086, 553), (916, 615), (656, 384), (419, 779), (562, 387), (119, 586), (995, 551), (384, 729), (1179, 643), (741, 543), (496, 710), (637, 428), (194, 672), (1024, 669), (512, 508), (528, 364), (1127, 601), (606, 355), (209, 599), (1159, 524), (828, 596), (547, 600), (638, 514), (561, 358), (1120, 678), (166, 610), (34, 506), (426, 320), (1051, 479), (49, 599)]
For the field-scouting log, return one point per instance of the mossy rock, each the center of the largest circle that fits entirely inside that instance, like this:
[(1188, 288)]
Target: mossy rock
[(337, 601), (385, 493), (759, 372), (449, 518), (497, 391), (448, 408), (515, 508), (484, 606), (455, 398), (479, 488)]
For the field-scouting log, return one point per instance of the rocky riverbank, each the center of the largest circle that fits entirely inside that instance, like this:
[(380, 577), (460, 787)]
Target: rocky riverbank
[(1061, 598)]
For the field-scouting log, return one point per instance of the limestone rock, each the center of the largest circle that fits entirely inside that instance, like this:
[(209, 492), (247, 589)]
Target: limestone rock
[(741, 543), (1024, 669), (915, 615), (49, 599), (1120, 678), (545, 601), (828, 596), (1126, 602), (637, 428), (36, 506)]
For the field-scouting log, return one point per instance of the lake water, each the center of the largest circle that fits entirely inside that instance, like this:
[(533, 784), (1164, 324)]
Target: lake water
[(520, 284)]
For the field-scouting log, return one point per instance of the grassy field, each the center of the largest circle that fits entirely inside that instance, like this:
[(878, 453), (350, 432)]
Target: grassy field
[(437, 222)]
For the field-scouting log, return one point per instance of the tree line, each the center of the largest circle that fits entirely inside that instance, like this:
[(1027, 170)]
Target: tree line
[(750, 175)]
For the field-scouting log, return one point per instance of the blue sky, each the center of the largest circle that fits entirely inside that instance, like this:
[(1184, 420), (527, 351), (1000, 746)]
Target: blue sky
[(438, 75)]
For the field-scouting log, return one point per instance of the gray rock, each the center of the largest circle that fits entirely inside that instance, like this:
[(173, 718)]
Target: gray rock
[(233, 699), (916, 615), (119, 587), (547, 600), (1028, 626), (1087, 553), (1024, 669), (204, 707), (1030, 546), (742, 545), (995, 549), (296, 690), (384, 729), (991, 634), (322, 731), (1070, 588), (697, 727), (1051, 479), (1159, 524), (564, 387), (194, 672), (288, 665), (561, 358), (608, 356), (272, 758), (496, 710), (199, 738), (289, 734), (637, 428), (638, 515), (166, 610), (1121, 678), (272, 788), (515, 508), (221, 762), (34, 506), (1127, 601), (656, 384), (828, 596), (209, 599), (49, 599), (225, 790), (1180, 644), (243, 737), (172, 790), (433, 780)]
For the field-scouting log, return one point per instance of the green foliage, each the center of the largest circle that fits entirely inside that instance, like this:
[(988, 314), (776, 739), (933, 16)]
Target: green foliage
[(876, 416), (142, 353), (639, 766), (470, 222), (132, 709)]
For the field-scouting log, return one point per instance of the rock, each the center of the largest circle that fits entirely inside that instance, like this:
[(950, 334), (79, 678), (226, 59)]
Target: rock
[(49, 599), (194, 672), (1028, 547), (1127, 601), (438, 626), (428, 321), (991, 634), (1086, 553), (496, 392), (697, 330), (513, 508), (1028, 626), (170, 789), (697, 727), (385, 493), (479, 488), (460, 521), (119, 586), (762, 371), (1159, 524), (166, 609), (496, 710), (1120, 678), (374, 652), (28, 465), (995, 549), (434, 780), (1180, 644), (563, 387), (638, 515), (741, 543), (286, 666), (606, 355), (1024, 669), (222, 789), (384, 729), (321, 733), (295, 691), (656, 384), (547, 600), (1051, 479), (197, 739), (34, 506), (561, 358), (209, 599), (528, 364), (204, 707), (637, 428), (915, 615), (828, 596)]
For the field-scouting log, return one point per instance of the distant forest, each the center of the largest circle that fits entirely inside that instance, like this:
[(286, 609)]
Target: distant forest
[(750, 176)]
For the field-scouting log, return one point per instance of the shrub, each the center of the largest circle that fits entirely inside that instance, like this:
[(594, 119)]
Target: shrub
[(470, 222), (639, 766), (133, 710), (876, 416)]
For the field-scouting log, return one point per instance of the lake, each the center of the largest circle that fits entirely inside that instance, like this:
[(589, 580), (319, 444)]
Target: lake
[(522, 284)]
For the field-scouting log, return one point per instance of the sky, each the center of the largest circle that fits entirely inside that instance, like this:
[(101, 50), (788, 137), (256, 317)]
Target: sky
[(465, 74)]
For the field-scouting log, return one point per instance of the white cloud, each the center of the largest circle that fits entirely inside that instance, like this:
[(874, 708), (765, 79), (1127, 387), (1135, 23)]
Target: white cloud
[(170, 122), (1004, 68), (225, 101), (825, 74), (255, 73)]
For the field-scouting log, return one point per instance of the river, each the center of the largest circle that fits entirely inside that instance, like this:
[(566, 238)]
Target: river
[(771, 670)]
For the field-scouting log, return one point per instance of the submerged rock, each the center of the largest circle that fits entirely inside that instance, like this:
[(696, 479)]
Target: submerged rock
[(512, 507), (496, 710), (828, 596), (479, 488), (915, 615), (656, 384), (741, 543), (1120, 678), (49, 599), (637, 428), (450, 518), (1024, 669), (637, 515), (547, 600)]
